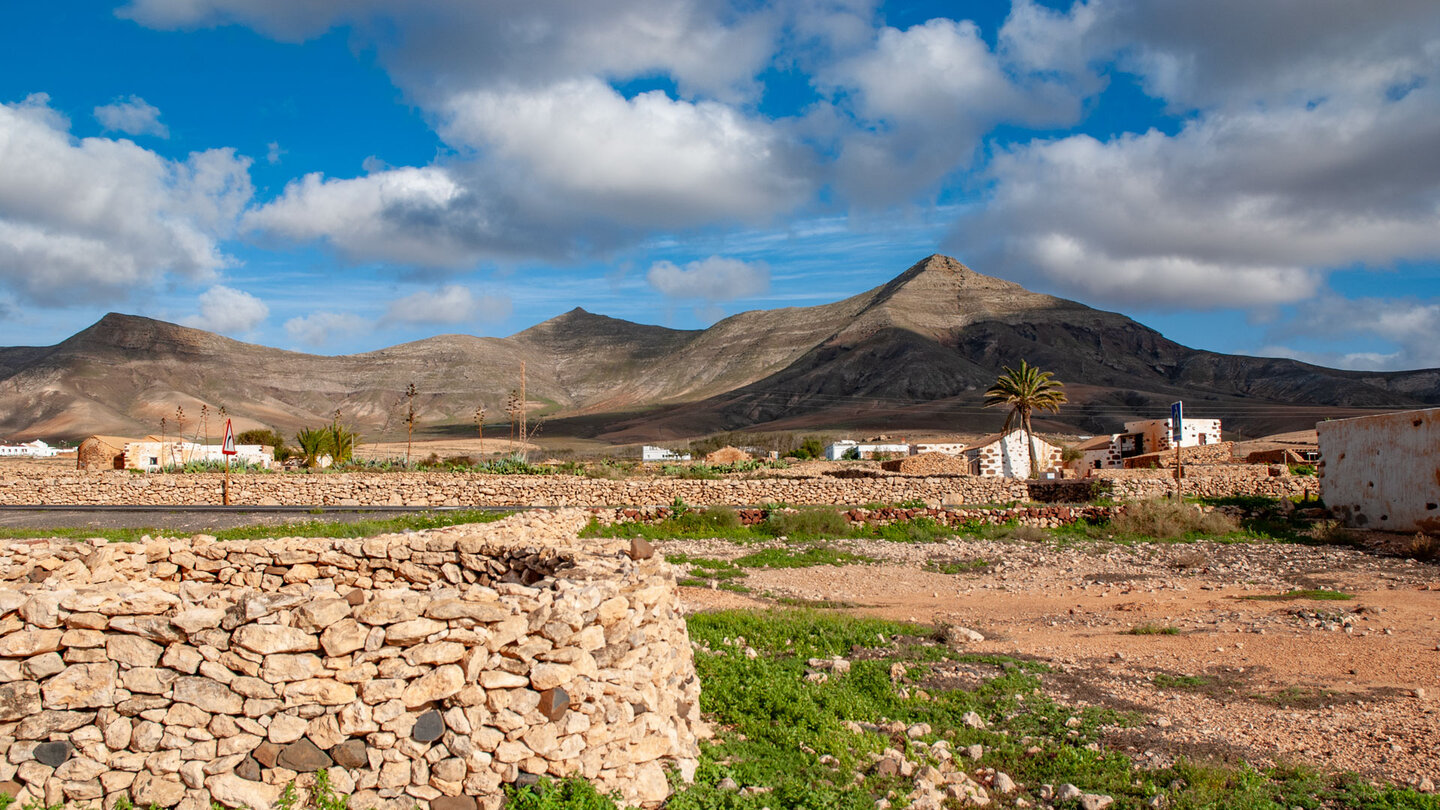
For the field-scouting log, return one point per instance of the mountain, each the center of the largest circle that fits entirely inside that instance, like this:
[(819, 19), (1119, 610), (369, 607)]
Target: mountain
[(913, 354)]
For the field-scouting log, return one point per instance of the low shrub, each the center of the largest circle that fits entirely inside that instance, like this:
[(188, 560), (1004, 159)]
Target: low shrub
[(816, 523), (1168, 520)]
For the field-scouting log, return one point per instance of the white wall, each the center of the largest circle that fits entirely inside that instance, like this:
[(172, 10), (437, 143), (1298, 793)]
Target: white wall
[(1383, 472)]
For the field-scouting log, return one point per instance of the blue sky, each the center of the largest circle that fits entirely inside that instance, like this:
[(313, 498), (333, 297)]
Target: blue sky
[(336, 176)]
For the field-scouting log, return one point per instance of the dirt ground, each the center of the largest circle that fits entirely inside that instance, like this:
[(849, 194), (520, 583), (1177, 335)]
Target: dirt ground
[(1345, 685)]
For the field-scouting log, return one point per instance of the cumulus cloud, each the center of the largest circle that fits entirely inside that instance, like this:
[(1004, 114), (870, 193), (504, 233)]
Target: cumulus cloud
[(1237, 209), (89, 219), (320, 328), (132, 116), (1409, 325), (453, 303), (714, 279), (410, 216), (432, 46), (648, 160), (923, 99), (228, 311)]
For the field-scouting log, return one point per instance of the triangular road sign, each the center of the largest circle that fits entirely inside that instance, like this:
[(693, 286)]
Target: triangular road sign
[(228, 448)]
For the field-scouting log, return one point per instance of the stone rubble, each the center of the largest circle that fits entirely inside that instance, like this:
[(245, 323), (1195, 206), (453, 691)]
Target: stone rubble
[(419, 668)]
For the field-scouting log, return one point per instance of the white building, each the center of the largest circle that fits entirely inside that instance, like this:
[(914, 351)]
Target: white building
[(154, 456), (1156, 433), (35, 449), (1004, 455), (650, 453), (840, 449), (1141, 438)]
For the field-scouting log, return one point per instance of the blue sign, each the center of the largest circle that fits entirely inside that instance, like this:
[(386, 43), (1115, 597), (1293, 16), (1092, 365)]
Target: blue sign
[(1176, 420)]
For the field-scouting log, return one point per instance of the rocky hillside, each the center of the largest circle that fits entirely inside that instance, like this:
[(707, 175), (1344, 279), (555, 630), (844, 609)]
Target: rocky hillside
[(915, 353)]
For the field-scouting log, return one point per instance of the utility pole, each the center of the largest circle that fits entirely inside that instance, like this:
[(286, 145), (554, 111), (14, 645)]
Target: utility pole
[(524, 436)]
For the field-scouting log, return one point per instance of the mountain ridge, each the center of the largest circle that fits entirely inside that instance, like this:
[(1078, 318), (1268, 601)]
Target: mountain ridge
[(914, 353)]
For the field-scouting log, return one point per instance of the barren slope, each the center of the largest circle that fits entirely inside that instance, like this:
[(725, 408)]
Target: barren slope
[(914, 353)]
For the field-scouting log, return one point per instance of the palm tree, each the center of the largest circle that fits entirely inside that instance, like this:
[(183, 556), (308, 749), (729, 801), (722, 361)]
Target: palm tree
[(312, 442), (1025, 390)]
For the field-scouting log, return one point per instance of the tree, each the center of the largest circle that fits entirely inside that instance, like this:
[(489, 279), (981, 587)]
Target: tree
[(312, 442), (1025, 390), (480, 427)]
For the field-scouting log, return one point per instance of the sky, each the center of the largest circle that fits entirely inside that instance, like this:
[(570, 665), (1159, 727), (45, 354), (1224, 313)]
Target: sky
[(335, 176)]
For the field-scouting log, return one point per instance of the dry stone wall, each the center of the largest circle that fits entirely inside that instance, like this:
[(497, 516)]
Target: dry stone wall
[(422, 668), (1213, 481), (460, 489)]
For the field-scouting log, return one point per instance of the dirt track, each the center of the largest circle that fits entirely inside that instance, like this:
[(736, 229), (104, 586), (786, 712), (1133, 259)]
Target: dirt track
[(1349, 685)]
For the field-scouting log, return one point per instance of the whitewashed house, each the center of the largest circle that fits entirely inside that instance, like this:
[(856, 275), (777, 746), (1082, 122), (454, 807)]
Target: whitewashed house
[(1004, 455), (869, 450), (650, 453), (35, 449)]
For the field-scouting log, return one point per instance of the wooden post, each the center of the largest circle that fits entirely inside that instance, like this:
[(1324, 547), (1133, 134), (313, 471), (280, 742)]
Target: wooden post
[(225, 492)]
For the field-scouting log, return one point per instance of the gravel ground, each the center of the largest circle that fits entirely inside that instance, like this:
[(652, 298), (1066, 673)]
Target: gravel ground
[(1348, 685)]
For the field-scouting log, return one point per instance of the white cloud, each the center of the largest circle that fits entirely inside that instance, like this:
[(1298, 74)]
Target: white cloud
[(432, 46), (273, 152), (408, 216), (1411, 326), (132, 116), (228, 311), (320, 328), (924, 98), (650, 160), (453, 303), (714, 279), (89, 219), (1237, 209)]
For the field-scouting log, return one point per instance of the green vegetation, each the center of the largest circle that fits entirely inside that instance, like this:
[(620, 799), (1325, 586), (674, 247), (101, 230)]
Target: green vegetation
[(1169, 520), (334, 440), (1309, 593), (267, 437), (792, 743), (1024, 391), (800, 558), (1153, 630), (1165, 681), (238, 466), (943, 566), (310, 528)]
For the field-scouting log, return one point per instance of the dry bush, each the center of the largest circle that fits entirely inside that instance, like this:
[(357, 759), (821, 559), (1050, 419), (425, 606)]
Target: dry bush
[(1424, 547), (1190, 559), (1334, 533), (1168, 520)]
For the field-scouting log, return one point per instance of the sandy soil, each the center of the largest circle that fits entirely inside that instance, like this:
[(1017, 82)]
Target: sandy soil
[(1350, 685)]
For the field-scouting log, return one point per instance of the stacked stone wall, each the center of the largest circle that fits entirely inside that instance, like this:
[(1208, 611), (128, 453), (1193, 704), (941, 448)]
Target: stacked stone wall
[(461, 489), (424, 668)]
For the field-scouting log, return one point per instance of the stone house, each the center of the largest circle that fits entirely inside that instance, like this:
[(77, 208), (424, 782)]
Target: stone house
[(1004, 455)]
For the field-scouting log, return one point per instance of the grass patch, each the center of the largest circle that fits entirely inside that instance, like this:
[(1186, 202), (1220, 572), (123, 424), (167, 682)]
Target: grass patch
[(1153, 630), (1166, 681), (800, 558), (952, 566), (1306, 593), (309, 528)]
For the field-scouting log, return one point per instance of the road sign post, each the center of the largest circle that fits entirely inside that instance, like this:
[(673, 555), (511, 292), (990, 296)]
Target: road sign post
[(227, 449), (1177, 433)]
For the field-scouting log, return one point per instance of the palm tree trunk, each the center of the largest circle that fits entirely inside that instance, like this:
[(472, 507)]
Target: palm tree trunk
[(1030, 445)]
